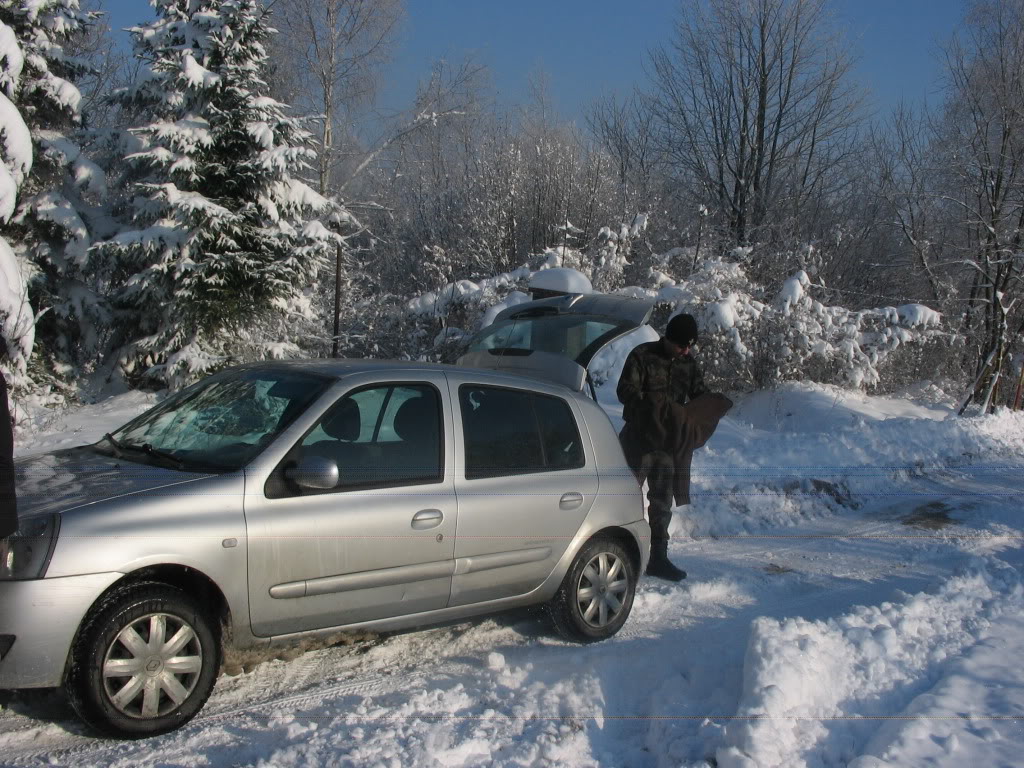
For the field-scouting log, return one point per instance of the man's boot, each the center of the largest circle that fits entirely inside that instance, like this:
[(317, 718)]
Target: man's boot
[(660, 567)]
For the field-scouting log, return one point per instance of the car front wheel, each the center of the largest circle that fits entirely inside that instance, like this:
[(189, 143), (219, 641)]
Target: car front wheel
[(144, 663), (596, 595)]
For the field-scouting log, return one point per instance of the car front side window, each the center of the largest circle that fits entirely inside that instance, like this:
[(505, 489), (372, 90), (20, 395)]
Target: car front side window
[(381, 436)]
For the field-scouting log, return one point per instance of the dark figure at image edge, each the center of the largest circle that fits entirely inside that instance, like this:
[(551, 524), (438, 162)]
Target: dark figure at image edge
[(8, 505), (668, 413)]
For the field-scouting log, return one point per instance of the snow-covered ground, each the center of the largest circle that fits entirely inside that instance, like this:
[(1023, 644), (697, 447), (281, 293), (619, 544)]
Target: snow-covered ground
[(854, 599)]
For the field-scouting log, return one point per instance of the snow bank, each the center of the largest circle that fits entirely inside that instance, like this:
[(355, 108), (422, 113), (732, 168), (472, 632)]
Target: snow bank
[(963, 718), (809, 408), (820, 687), (810, 450)]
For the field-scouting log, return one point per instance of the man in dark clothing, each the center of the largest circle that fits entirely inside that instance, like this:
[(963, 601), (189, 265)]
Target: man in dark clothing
[(8, 506), (668, 412)]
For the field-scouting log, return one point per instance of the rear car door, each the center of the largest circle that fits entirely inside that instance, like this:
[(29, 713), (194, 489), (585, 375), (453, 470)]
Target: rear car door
[(380, 543), (525, 480)]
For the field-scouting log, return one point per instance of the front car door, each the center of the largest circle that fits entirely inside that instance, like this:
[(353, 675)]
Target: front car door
[(380, 543)]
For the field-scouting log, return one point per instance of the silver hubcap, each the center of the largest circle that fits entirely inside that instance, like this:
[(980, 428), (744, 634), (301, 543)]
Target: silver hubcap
[(601, 593), (152, 666)]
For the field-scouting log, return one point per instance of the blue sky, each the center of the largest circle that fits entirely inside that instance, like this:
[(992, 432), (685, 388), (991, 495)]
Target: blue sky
[(590, 47)]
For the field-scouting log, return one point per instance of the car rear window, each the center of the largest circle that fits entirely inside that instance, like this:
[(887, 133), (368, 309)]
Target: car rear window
[(577, 337), (512, 432)]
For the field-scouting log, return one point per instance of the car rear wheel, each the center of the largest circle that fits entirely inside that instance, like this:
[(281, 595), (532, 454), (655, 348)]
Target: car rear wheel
[(596, 595), (144, 663)]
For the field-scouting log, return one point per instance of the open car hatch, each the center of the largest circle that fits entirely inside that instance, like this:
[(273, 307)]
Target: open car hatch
[(555, 339)]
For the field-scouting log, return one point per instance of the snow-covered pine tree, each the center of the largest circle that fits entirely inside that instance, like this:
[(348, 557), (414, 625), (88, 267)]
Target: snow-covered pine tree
[(612, 251), (221, 242), (52, 226), (17, 323)]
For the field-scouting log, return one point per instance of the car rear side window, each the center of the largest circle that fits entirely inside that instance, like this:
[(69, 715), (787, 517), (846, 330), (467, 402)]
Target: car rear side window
[(513, 432)]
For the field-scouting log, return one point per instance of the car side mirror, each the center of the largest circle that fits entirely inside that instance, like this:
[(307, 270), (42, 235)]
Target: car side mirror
[(314, 472)]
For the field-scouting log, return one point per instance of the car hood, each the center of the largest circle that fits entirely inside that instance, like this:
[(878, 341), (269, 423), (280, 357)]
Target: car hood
[(74, 477)]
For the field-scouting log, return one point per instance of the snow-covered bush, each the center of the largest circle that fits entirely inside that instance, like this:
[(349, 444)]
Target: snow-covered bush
[(612, 252), (438, 324), (751, 338), (59, 205), (856, 344), (17, 322)]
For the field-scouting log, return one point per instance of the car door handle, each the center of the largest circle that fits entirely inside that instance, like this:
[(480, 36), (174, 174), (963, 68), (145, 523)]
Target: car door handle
[(570, 500), (427, 518)]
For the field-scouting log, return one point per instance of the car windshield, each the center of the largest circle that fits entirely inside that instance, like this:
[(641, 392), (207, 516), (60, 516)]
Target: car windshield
[(577, 337), (219, 424)]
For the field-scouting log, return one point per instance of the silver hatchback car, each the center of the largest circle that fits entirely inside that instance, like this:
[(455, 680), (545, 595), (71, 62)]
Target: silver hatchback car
[(278, 500)]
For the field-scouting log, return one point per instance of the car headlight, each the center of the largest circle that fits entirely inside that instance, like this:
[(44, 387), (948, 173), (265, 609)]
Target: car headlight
[(26, 553)]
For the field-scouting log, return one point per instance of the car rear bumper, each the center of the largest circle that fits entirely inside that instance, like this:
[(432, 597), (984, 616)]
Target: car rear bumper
[(43, 616)]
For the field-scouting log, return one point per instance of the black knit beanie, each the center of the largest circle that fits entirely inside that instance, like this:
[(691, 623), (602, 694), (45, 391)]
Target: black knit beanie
[(682, 330)]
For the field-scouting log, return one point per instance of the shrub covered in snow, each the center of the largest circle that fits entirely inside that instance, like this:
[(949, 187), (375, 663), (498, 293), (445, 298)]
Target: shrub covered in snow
[(751, 337), (58, 209), (17, 323), (612, 252)]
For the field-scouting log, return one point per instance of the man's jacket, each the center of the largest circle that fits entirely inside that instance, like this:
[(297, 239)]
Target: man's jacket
[(650, 379), (666, 407)]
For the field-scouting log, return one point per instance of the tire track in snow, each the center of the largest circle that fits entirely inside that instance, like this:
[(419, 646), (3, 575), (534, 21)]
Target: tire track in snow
[(68, 748), (372, 684), (65, 748)]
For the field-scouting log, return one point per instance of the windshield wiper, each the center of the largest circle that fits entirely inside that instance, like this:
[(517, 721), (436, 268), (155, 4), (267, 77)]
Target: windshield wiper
[(114, 444), (155, 452)]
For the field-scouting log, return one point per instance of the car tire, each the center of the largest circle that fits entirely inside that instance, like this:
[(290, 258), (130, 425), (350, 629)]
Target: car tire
[(144, 662), (596, 595)]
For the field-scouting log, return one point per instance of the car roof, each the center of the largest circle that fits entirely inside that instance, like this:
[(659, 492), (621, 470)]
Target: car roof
[(342, 367)]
